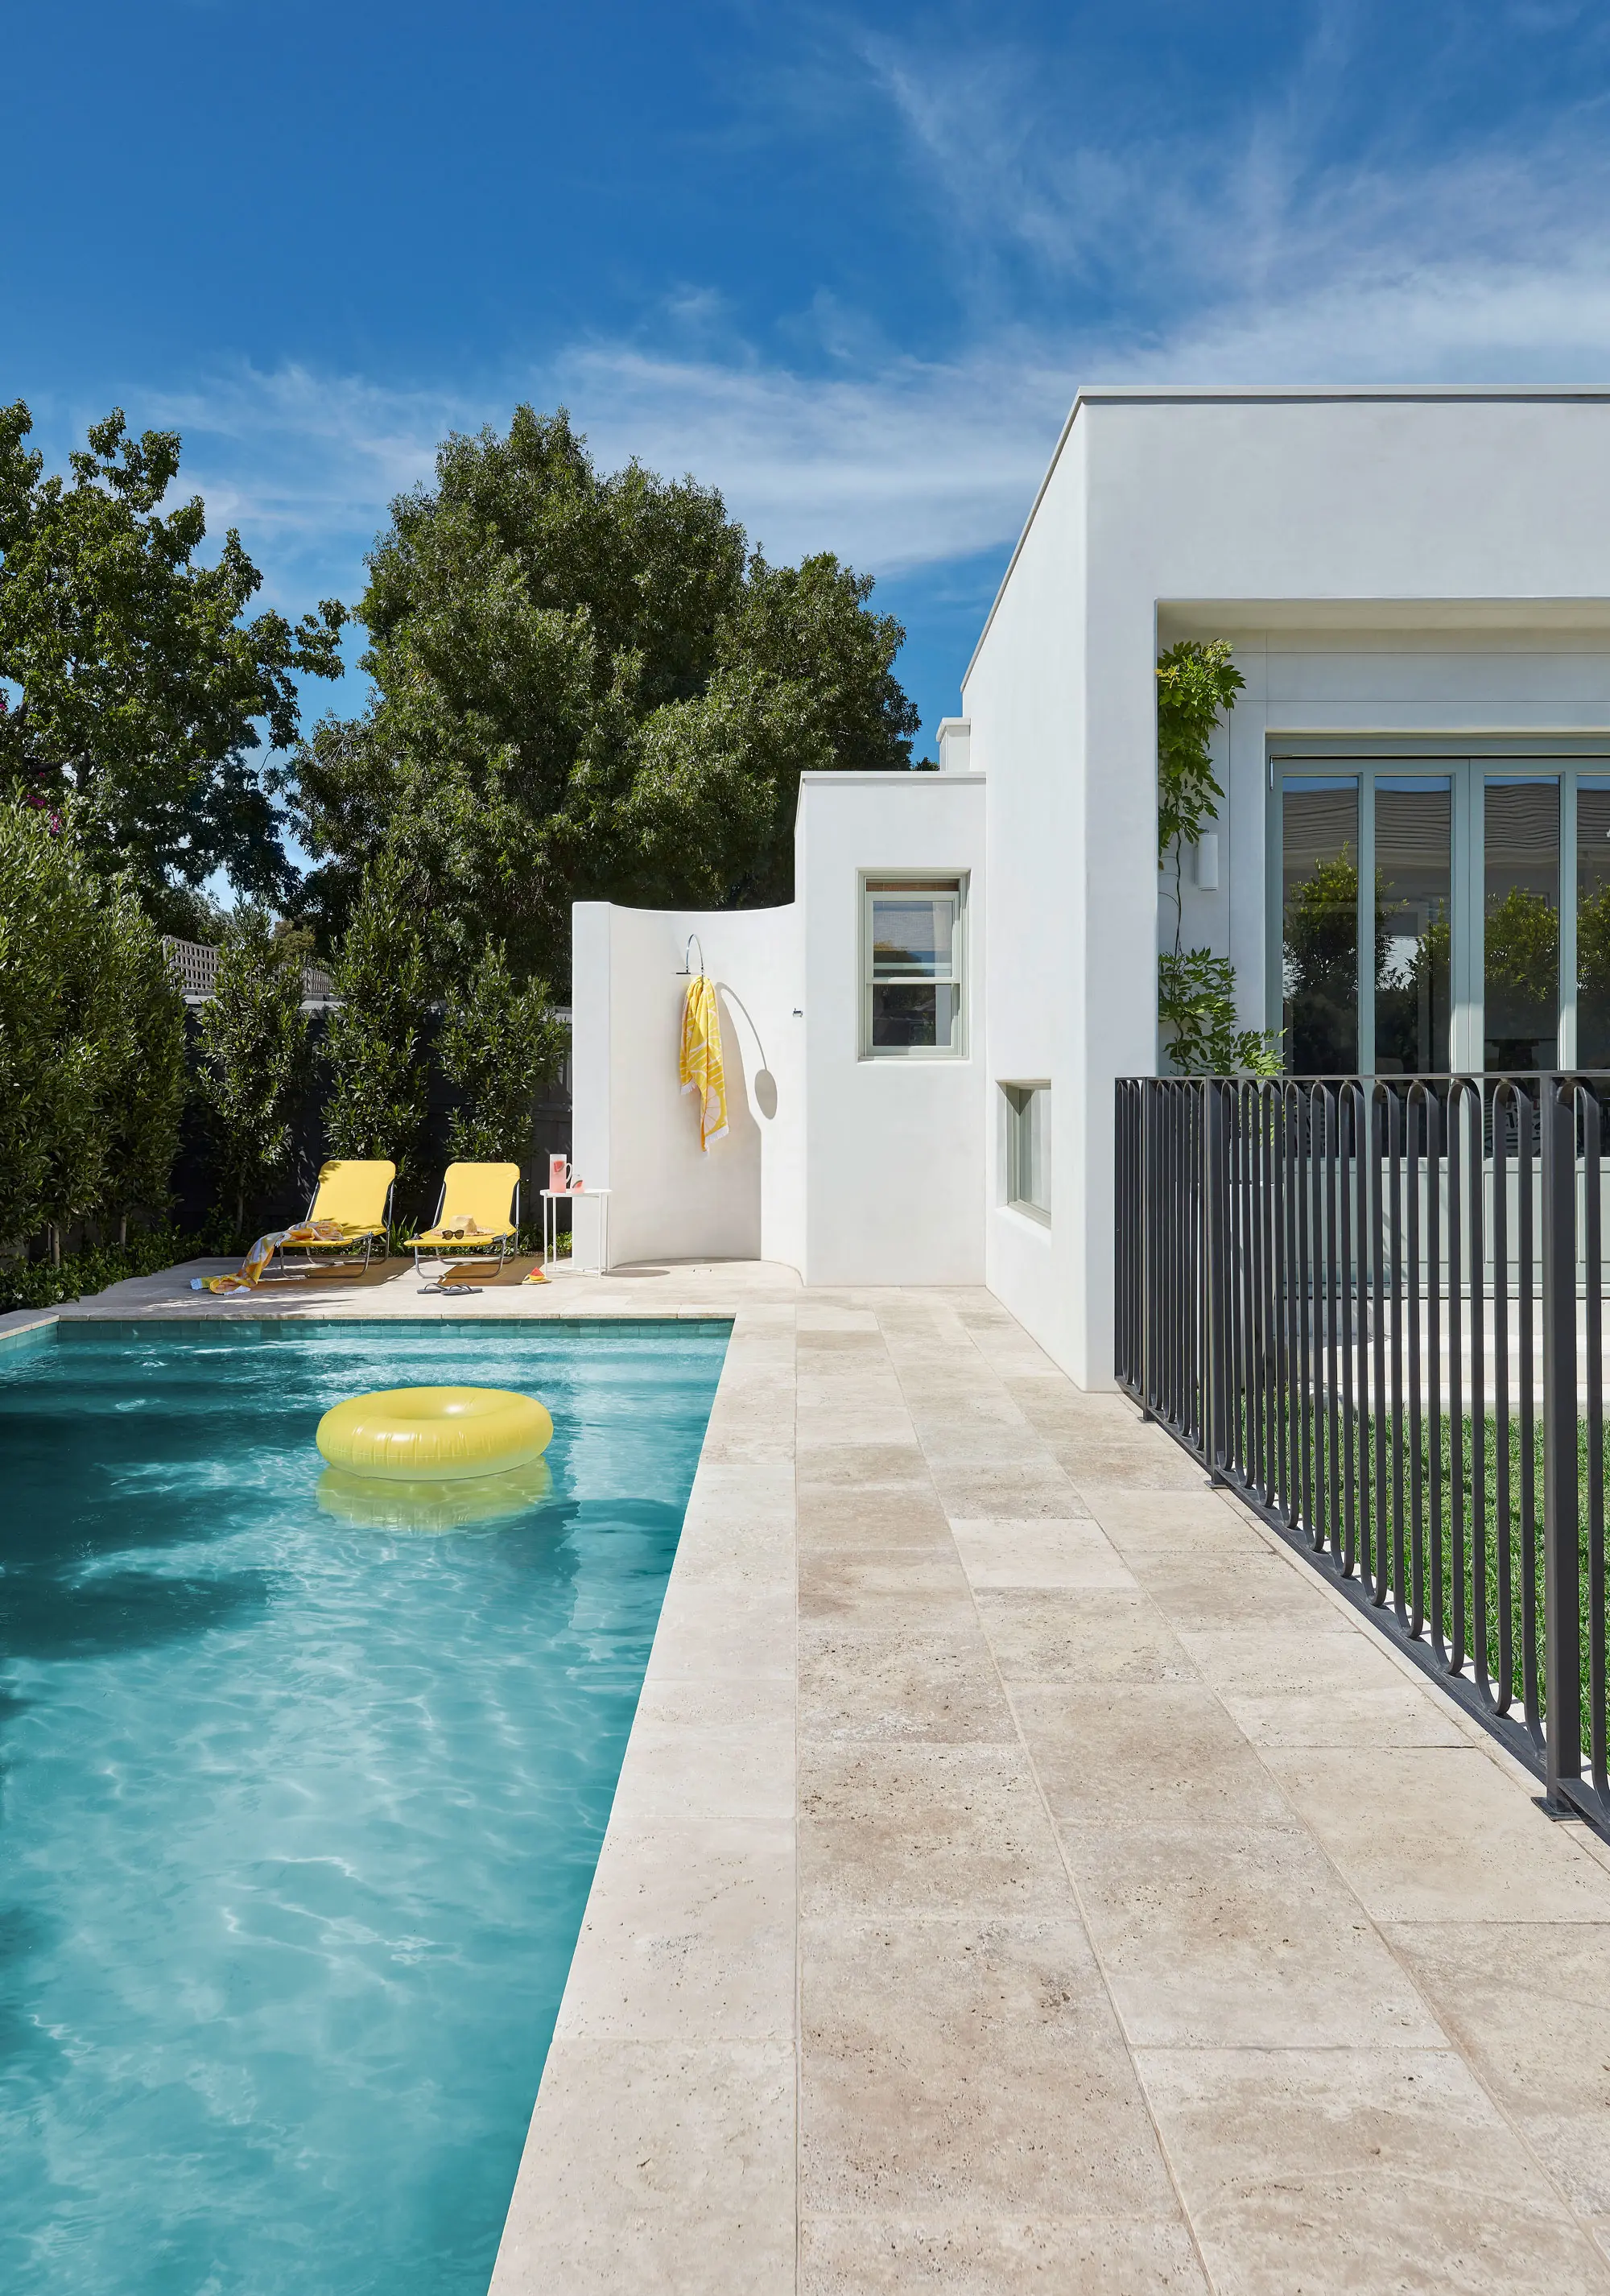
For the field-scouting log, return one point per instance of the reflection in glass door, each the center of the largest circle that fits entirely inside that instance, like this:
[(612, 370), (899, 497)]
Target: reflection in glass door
[(1414, 878), (1441, 912), (1319, 906), (1592, 923), (1521, 923)]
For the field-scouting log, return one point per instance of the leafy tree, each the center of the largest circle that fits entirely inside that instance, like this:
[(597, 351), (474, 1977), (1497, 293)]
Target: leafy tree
[(375, 1048), (1593, 978), (91, 1037), (150, 1092), (1412, 1006), (142, 687), (585, 686), (499, 1042), (1521, 936), (53, 1145), (253, 1068), (1321, 957), (1593, 945)]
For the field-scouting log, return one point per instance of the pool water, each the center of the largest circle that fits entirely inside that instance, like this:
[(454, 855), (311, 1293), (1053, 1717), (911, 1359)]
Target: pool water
[(300, 1812)]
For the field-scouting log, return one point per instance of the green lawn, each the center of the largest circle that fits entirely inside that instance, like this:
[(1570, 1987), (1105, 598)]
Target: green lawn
[(1510, 1545)]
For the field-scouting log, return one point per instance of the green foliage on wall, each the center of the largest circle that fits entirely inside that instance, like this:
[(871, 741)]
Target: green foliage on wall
[(1197, 683), (1196, 1001)]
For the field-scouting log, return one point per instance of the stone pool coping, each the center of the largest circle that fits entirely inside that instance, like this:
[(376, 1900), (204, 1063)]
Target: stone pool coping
[(661, 2152)]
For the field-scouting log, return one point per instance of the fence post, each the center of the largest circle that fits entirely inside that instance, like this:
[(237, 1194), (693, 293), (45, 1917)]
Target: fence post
[(1561, 1560), (1147, 1351), (1216, 1239)]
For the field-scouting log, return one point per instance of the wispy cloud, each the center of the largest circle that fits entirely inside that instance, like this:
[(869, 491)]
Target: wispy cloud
[(914, 463), (1263, 251), (305, 463)]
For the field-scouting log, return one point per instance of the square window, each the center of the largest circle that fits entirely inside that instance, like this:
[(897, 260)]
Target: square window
[(1029, 1149), (912, 967)]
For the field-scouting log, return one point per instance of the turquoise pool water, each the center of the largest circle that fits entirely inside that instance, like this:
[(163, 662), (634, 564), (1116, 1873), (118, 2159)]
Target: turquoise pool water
[(300, 1815)]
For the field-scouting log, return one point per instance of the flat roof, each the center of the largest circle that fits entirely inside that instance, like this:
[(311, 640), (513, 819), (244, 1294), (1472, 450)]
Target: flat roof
[(1275, 394), (1141, 392)]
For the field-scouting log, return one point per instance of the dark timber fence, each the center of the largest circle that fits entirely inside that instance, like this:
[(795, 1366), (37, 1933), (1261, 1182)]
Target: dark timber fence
[(1373, 1307)]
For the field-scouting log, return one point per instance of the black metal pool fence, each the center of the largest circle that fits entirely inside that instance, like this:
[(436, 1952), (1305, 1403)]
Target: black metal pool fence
[(1373, 1308)]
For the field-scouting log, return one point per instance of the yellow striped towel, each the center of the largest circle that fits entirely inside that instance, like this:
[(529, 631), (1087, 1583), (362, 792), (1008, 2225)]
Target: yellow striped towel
[(701, 1069), (262, 1252)]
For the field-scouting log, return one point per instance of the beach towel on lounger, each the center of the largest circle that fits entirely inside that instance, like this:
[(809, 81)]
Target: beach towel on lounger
[(263, 1251)]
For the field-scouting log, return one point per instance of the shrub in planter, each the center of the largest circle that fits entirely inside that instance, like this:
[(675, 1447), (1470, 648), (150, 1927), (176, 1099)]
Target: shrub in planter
[(253, 1065), (375, 1047), (500, 1042), (91, 1079)]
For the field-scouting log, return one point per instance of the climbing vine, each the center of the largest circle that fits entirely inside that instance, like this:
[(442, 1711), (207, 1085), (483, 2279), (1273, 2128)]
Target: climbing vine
[(1197, 683)]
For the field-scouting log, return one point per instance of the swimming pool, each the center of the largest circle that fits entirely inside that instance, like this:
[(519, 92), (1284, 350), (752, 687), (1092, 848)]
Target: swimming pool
[(301, 1813)]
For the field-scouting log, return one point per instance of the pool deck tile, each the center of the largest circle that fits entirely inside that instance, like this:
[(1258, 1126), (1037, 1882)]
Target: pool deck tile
[(1025, 1871)]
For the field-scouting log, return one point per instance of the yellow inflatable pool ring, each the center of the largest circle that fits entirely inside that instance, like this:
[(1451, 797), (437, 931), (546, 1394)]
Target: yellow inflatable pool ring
[(434, 1434)]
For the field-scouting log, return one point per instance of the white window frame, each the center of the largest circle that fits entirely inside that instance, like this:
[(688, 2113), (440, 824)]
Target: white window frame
[(1016, 1097), (870, 883)]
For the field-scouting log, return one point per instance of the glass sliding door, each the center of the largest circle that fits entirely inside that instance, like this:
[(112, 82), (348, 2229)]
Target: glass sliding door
[(1430, 912), (1413, 952), (1319, 921), (1592, 923), (1521, 923)]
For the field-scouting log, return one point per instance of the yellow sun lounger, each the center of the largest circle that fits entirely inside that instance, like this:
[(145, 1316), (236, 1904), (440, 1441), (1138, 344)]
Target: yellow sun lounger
[(357, 1196), (477, 1216)]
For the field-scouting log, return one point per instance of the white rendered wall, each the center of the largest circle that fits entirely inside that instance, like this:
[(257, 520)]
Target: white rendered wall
[(1477, 518), (636, 1132), (1026, 702), (895, 1148), (851, 1170)]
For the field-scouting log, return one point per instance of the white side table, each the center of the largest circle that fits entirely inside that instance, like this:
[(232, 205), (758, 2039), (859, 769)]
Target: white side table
[(552, 1198)]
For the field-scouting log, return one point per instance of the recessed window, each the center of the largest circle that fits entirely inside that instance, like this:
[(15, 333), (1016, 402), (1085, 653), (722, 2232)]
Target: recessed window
[(912, 968), (1029, 1149)]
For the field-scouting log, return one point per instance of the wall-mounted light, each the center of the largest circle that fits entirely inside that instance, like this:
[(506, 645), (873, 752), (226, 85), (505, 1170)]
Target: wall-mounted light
[(1207, 863)]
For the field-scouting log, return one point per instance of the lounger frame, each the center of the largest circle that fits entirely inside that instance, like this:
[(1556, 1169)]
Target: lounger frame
[(338, 1255), (507, 1240)]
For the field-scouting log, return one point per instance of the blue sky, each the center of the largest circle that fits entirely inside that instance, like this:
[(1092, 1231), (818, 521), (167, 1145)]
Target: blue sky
[(848, 264)]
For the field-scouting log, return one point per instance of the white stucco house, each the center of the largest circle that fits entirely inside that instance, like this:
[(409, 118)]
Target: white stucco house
[(922, 1048)]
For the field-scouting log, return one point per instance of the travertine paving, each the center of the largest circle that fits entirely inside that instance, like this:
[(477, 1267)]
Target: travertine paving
[(1026, 1873)]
